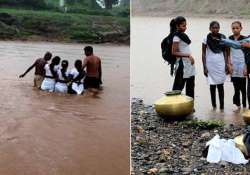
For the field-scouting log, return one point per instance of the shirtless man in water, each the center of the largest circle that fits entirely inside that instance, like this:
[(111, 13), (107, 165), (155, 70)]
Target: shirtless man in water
[(39, 69), (93, 68)]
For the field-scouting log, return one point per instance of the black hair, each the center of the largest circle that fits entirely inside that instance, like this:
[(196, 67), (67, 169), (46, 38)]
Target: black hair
[(56, 60), (88, 49), (237, 22), (179, 20), (47, 56), (65, 63), (174, 23), (78, 64), (214, 23), (172, 26)]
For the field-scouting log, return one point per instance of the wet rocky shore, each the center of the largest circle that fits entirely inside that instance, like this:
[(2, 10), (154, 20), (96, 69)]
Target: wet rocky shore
[(162, 147)]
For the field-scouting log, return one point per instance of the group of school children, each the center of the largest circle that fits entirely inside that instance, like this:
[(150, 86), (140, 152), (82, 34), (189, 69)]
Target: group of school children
[(219, 60), (52, 77)]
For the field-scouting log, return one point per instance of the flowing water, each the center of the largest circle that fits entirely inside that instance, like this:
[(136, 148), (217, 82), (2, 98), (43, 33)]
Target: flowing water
[(150, 75), (53, 134)]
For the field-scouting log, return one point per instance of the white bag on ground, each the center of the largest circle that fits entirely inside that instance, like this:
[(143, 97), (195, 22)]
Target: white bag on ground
[(224, 150)]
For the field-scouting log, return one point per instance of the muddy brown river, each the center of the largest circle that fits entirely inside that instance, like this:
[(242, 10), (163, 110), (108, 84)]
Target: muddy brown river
[(53, 134), (150, 75)]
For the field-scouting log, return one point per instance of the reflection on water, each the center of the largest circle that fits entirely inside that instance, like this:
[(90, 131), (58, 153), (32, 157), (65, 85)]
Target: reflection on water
[(151, 75), (48, 133)]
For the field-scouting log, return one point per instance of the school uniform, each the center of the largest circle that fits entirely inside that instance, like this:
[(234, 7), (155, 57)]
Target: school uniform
[(49, 81), (238, 79), (184, 70), (215, 63), (246, 52), (61, 84), (76, 87)]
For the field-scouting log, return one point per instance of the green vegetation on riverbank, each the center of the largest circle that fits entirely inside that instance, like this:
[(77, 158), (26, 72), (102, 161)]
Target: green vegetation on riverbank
[(20, 24)]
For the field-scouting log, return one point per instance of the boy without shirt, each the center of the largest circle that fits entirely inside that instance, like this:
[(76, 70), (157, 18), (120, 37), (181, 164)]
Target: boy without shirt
[(39, 69), (93, 68)]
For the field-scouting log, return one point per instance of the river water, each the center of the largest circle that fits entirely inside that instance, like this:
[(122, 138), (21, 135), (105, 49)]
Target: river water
[(150, 75), (52, 134)]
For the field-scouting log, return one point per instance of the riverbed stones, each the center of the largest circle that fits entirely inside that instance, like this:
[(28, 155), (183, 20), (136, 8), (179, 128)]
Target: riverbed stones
[(173, 148)]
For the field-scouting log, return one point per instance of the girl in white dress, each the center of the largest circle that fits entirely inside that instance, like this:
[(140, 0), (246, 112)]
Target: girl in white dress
[(49, 81), (63, 77), (185, 69), (77, 75), (215, 63)]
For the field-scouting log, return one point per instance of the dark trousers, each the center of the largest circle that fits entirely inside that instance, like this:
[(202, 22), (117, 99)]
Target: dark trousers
[(239, 87), (248, 85), (180, 82), (220, 88)]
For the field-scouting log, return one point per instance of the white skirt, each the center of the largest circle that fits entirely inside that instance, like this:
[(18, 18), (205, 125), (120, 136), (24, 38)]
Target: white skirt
[(79, 89), (61, 87), (216, 70), (48, 85)]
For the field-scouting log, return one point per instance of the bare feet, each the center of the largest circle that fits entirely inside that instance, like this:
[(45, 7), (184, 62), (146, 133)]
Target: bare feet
[(236, 109)]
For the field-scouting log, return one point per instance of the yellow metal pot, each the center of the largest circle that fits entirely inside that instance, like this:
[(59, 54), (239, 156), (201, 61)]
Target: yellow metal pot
[(246, 116), (240, 144), (174, 105)]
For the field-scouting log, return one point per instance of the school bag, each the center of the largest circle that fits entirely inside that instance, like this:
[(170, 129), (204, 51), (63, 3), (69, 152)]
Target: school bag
[(166, 51)]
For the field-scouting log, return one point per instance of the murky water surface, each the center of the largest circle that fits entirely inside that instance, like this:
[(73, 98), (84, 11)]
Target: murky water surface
[(52, 134)]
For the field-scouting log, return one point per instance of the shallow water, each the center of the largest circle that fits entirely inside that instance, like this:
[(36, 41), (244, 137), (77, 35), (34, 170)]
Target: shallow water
[(52, 134), (150, 75)]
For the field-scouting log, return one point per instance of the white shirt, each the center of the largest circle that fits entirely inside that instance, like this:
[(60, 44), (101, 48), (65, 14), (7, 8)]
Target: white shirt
[(215, 63), (75, 73), (210, 55), (189, 69), (60, 76), (48, 71)]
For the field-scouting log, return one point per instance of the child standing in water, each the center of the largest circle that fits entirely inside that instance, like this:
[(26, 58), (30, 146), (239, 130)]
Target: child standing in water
[(239, 70), (77, 75), (39, 69), (63, 78), (215, 62), (51, 75), (185, 70)]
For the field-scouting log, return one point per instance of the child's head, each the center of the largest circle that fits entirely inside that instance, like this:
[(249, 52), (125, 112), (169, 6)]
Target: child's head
[(180, 23), (78, 64), (47, 56), (56, 60), (236, 27), (214, 27), (64, 64), (88, 50)]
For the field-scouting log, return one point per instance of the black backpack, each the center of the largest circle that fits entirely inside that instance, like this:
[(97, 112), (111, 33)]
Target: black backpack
[(166, 50)]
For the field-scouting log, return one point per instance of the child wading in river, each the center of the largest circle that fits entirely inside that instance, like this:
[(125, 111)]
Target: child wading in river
[(239, 70), (39, 69), (63, 78), (77, 76), (51, 75), (215, 63), (184, 69)]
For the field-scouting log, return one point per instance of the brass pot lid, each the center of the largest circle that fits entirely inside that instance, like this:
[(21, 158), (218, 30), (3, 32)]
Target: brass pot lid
[(174, 92)]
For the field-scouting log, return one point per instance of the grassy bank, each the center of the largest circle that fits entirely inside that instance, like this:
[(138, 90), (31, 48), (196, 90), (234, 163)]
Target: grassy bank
[(66, 27)]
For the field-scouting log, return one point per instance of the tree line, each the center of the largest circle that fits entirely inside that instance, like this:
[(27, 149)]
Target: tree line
[(44, 4)]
